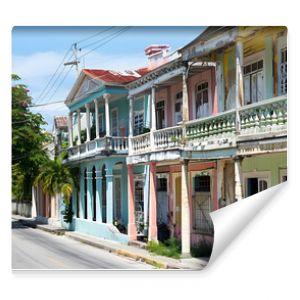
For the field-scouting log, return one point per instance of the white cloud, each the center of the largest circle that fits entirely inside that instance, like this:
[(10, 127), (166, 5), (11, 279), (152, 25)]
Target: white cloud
[(37, 69)]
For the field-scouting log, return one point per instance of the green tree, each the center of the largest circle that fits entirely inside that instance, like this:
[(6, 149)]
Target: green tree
[(28, 141), (55, 177)]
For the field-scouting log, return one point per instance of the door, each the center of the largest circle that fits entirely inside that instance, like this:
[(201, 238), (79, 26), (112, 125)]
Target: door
[(114, 122), (160, 115), (202, 100), (139, 205), (117, 198)]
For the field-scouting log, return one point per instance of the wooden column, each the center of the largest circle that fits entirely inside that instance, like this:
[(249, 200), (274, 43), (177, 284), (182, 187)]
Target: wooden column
[(97, 118), (79, 126), (238, 179), (152, 233), (185, 212), (107, 119), (153, 118), (131, 209), (130, 129), (88, 123), (70, 127), (239, 88)]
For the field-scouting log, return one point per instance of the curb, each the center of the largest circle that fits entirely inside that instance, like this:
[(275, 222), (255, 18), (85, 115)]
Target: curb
[(42, 227), (138, 257)]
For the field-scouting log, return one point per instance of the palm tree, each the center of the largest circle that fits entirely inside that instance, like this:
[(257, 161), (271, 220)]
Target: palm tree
[(57, 178)]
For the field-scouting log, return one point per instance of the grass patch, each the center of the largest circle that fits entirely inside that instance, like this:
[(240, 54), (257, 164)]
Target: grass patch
[(169, 248)]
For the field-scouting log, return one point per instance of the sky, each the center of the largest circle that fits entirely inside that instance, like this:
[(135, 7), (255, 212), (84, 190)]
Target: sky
[(38, 53)]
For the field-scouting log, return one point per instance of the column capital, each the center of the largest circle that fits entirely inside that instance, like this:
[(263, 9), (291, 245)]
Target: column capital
[(106, 96), (87, 105)]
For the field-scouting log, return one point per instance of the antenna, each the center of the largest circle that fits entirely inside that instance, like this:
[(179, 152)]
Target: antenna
[(75, 61)]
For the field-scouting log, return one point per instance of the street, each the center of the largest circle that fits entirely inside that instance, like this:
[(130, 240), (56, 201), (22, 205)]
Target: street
[(35, 249)]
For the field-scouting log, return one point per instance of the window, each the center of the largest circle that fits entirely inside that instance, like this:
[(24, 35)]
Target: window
[(103, 192), (101, 125), (283, 175), (256, 185), (202, 204), (114, 122), (178, 108), (283, 71), (139, 206), (138, 125), (160, 115), (254, 82), (78, 204), (202, 101)]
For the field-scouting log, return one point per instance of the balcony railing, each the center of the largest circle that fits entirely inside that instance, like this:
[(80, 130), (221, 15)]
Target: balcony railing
[(212, 132), (141, 143), (219, 131), (168, 138), (268, 116), (114, 144)]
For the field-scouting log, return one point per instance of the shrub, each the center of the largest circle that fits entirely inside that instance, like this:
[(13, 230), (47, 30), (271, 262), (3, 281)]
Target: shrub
[(202, 249), (170, 248)]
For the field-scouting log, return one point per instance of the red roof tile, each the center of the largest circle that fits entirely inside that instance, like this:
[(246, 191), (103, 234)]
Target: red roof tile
[(116, 77)]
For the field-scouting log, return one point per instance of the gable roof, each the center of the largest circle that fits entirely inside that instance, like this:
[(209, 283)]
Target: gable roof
[(108, 76)]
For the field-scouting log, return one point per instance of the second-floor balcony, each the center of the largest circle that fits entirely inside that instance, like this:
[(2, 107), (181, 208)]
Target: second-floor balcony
[(262, 120), (100, 146)]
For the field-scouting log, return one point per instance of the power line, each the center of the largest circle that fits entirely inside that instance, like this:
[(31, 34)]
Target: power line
[(98, 33), (43, 91), (113, 36)]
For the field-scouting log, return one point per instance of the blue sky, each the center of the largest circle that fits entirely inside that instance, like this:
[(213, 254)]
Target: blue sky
[(38, 51)]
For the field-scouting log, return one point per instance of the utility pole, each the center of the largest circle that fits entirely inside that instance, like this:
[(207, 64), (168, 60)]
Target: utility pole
[(75, 61)]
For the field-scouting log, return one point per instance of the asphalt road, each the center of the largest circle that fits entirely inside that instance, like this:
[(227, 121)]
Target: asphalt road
[(35, 249)]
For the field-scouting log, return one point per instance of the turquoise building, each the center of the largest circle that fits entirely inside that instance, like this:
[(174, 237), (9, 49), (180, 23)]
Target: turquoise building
[(98, 146)]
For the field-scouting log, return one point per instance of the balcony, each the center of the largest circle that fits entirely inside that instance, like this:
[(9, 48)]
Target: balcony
[(263, 120), (101, 146)]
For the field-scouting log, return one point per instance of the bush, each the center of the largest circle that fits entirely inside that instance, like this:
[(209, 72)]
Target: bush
[(170, 248), (68, 213), (203, 249)]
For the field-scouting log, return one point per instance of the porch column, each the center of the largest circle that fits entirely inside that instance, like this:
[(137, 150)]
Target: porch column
[(98, 194), (238, 179), (130, 129), (70, 127), (107, 121), (152, 233), (185, 99), (185, 212), (97, 118), (79, 126), (153, 118), (239, 85), (89, 194), (33, 205), (131, 215), (109, 196), (220, 182), (88, 123)]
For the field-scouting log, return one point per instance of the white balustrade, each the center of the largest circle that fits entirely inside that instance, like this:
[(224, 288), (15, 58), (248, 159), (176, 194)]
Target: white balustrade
[(168, 138), (141, 143)]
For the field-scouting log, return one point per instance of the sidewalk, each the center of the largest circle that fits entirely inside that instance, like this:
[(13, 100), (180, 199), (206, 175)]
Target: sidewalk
[(134, 252)]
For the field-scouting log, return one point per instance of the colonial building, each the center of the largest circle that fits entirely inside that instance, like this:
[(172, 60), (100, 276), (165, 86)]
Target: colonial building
[(195, 131)]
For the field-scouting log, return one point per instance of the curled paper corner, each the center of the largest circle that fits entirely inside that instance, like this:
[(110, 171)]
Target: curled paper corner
[(230, 221)]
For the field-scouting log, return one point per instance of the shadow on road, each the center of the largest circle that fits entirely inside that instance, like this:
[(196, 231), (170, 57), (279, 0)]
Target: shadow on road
[(17, 225)]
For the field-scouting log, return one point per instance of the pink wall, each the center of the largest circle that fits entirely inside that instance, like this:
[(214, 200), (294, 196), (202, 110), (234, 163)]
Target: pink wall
[(168, 94)]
